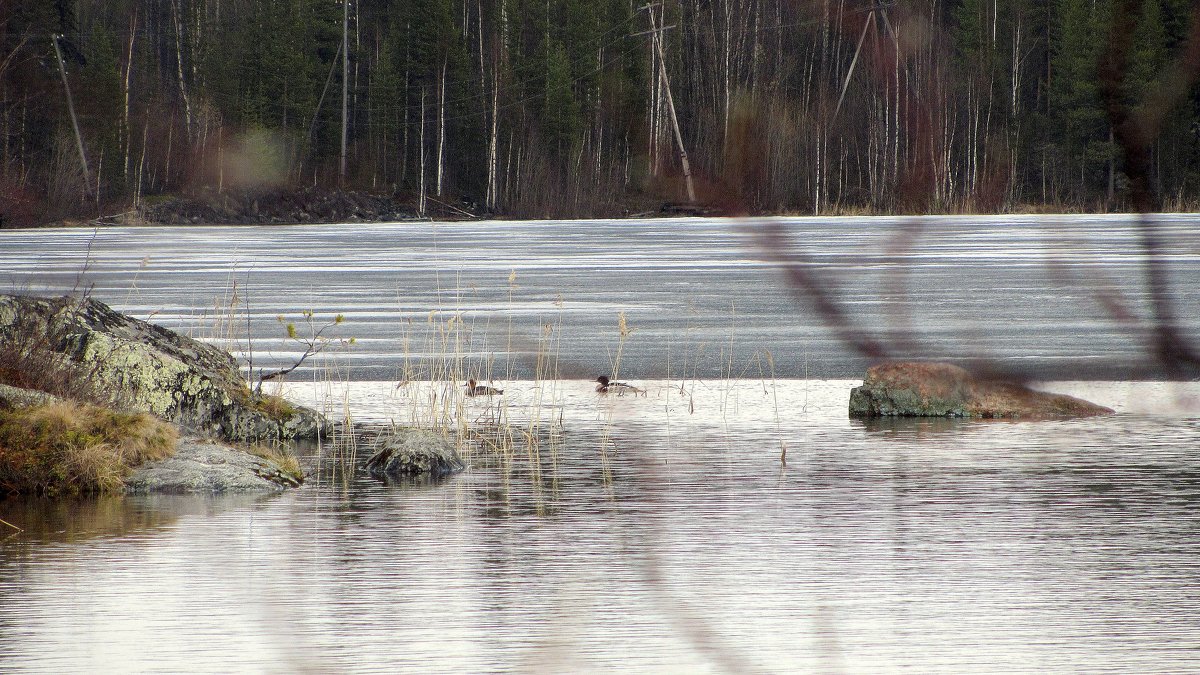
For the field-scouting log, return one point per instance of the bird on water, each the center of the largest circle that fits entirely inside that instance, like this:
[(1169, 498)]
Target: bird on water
[(606, 386), (481, 389)]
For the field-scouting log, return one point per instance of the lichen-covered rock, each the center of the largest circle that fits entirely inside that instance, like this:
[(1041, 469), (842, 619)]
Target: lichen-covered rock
[(913, 389), (201, 467), (146, 367), (414, 453), (16, 397)]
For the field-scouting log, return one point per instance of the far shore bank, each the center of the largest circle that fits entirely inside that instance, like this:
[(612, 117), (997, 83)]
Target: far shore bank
[(312, 205)]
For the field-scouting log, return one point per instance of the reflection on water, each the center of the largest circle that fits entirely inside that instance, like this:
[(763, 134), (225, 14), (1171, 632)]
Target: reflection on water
[(76, 519), (661, 534)]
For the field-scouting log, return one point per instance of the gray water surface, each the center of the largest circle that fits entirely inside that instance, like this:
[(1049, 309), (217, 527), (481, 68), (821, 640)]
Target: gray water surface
[(732, 520), (660, 534)]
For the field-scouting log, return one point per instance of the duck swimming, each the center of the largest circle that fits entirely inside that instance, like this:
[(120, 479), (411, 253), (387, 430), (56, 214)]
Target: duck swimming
[(481, 389), (605, 386)]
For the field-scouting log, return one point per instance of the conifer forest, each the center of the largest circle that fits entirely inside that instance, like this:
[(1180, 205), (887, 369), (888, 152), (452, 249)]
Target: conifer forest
[(575, 108)]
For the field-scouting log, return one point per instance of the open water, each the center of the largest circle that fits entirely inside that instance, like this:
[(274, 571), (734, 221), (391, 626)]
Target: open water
[(733, 519)]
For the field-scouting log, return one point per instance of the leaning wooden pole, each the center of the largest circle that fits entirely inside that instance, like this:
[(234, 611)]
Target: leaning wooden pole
[(853, 62), (662, 64), (83, 163)]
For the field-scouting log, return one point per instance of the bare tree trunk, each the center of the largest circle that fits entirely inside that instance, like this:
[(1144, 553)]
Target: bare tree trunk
[(170, 150), (853, 63), (220, 160), (493, 141), (346, 91), (4, 158), (404, 144), (99, 173), (441, 152), (662, 64), (508, 181), (727, 73), (896, 110), (655, 82), (137, 190), (421, 196), (479, 25), (817, 174), (1112, 171), (83, 163), (126, 142), (187, 104)]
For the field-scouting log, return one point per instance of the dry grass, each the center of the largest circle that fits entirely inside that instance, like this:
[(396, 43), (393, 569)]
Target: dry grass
[(273, 406), (69, 448), (280, 457)]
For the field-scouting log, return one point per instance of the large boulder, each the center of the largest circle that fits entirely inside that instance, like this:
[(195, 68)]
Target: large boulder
[(145, 367), (204, 467), (413, 453), (915, 389)]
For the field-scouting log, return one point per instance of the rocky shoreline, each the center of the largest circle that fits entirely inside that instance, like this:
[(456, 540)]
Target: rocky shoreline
[(201, 466), (279, 206), (74, 361), (288, 206), (72, 355)]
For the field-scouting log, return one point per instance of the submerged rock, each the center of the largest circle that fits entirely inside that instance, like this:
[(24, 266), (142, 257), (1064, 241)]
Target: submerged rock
[(205, 467), (145, 367), (414, 453), (913, 389)]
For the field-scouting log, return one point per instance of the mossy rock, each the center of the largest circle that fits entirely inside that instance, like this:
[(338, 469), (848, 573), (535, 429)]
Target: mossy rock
[(413, 453), (919, 389)]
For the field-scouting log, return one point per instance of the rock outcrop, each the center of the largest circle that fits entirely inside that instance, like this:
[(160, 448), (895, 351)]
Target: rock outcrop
[(203, 467), (913, 389), (16, 397), (145, 367), (413, 453)]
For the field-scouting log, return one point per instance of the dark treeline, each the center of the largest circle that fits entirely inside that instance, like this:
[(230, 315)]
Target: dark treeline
[(572, 108)]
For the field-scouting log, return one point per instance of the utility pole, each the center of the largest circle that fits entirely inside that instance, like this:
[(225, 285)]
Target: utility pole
[(87, 174), (345, 88), (655, 35)]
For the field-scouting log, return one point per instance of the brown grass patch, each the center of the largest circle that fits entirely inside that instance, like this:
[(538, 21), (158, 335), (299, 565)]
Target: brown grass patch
[(280, 457), (275, 407), (69, 448)]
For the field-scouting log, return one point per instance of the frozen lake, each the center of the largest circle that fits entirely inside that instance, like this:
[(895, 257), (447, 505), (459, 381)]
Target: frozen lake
[(1035, 294)]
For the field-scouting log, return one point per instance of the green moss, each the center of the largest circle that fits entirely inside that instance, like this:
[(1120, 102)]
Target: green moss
[(67, 448)]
